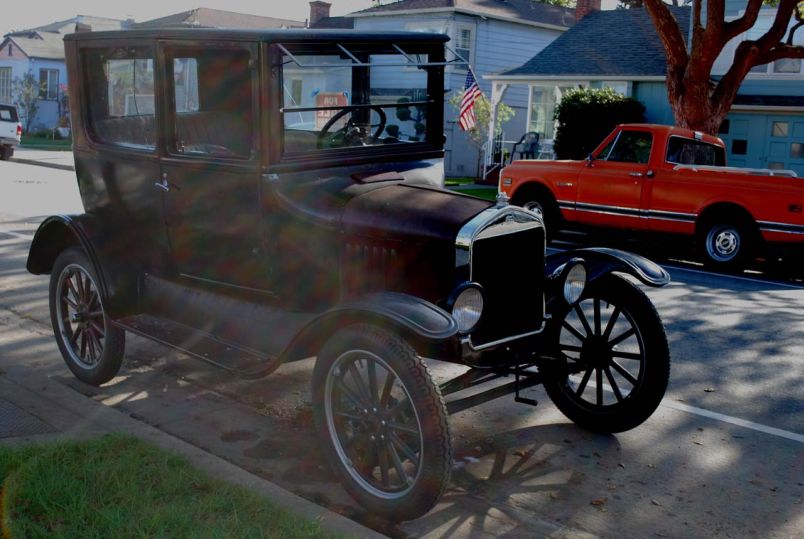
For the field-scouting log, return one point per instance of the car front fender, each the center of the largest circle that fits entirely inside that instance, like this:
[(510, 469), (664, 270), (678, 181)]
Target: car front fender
[(600, 261), (428, 328)]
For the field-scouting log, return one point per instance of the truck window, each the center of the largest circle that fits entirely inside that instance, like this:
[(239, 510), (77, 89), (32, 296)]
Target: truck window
[(354, 98), (684, 151), (120, 96), (631, 147), (212, 109)]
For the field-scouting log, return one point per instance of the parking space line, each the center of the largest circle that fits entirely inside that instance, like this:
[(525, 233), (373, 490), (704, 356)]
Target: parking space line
[(773, 431)]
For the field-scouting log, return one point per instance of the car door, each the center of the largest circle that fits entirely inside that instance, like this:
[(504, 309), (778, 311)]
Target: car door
[(210, 173), (610, 187)]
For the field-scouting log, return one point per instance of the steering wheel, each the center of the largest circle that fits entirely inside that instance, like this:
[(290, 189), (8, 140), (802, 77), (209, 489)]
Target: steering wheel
[(352, 132)]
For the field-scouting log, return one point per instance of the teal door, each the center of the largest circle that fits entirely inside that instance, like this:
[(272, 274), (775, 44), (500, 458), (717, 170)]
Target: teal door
[(785, 136)]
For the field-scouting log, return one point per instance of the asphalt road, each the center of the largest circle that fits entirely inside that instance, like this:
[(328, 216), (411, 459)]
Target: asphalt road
[(722, 457)]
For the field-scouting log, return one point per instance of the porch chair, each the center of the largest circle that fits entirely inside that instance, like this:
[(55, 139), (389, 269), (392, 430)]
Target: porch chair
[(528, 146)]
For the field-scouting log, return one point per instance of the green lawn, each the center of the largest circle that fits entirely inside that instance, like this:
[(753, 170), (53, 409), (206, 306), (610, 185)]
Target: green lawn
[(40, 143), (118, 486), (488, 194)]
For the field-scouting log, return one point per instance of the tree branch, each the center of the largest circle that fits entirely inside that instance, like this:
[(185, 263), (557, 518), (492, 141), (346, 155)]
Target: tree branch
[(715, 15), (669, 32), (782, 51), (749, 18)]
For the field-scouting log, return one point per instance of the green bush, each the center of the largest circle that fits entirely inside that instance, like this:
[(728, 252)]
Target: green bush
[(586, 116)]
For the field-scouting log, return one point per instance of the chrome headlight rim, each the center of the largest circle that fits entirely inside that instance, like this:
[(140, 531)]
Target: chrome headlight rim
[(455, 301)]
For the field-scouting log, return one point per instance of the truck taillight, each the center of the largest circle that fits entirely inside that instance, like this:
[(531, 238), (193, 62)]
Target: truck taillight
[(19, 130)]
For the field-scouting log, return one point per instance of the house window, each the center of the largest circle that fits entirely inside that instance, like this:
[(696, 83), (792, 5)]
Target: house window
[(621, 87), (787, 65), (780, 129), (5, 85), (739, 147), (10, 49), (464, 40), (724, 127), (797, 150), (49, 84), (543, 101)]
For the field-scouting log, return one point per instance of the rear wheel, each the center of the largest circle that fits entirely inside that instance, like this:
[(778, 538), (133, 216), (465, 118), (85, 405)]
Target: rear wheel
[(615, 362), (6, 152), (726, 244), (90, 345), (382, 422)]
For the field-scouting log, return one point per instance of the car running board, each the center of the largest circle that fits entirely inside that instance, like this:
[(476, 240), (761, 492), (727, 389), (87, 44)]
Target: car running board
[(234, 358)]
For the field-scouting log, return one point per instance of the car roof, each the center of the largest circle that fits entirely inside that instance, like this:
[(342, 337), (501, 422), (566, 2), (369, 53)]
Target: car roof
[(271, 36)]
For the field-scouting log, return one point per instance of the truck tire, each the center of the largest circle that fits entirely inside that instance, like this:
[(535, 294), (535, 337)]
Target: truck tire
[(90, 345), (546, 208), (613, 337), (382, 422), (6, 152), (726, 244)]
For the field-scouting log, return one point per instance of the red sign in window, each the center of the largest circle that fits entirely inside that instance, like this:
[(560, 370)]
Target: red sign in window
[(329, 100)]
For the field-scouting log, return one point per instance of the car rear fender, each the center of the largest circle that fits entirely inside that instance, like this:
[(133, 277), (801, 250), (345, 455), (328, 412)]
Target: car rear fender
[(600, 261), (429, 329), (117, 277)]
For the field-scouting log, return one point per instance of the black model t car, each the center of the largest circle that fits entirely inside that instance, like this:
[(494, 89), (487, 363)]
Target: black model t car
[(254, 198)]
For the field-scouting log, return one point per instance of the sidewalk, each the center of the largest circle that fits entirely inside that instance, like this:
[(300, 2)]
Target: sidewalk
[(62, 160), (35, 408)]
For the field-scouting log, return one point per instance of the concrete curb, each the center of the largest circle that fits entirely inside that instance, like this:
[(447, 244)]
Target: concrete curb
[(24, 161), (61, 404)]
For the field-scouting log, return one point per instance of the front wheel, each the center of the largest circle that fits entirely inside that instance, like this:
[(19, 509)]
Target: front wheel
[(615, 360), (382, 422), (547, 210), (90, 345)]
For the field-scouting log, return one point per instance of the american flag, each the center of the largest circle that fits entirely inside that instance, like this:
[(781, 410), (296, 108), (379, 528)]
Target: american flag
[(471, 92)]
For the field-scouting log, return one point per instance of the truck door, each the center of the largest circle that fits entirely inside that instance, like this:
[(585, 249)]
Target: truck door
[(210, 173), (610, 187)]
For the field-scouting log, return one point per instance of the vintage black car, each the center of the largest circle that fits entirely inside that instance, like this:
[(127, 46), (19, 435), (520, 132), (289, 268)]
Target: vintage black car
[(254, 198)]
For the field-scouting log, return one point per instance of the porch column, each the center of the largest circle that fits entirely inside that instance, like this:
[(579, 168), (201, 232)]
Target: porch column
[(498, 90)]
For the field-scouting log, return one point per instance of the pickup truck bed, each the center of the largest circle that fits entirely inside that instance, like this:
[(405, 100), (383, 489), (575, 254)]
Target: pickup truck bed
[(667, 180), (10, 131)]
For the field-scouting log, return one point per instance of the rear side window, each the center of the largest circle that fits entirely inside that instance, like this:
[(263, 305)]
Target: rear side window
[(632, 147), (213, 102), (8, 114), (684, 151), (120, 99)]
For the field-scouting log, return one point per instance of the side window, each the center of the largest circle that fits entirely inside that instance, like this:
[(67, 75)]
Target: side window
[(120, 96), (212, 103), (632, 147), (684, 151)]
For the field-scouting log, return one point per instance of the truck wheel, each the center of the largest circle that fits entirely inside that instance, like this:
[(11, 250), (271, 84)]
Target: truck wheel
[(382, 422), (547, 210), (90, 345), (5, 153), (725, 245), (615, 362)]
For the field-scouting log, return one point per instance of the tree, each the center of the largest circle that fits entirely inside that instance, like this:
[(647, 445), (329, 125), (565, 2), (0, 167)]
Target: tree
[(479, 134), (696, 101), (25, 90)]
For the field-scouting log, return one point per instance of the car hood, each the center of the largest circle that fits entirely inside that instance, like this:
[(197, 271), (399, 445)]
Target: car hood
[(410, 212)]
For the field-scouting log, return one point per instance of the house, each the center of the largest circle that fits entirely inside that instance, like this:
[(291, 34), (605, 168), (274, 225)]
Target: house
[(490, 34), (40, 51), (620, 49), (215, 18)]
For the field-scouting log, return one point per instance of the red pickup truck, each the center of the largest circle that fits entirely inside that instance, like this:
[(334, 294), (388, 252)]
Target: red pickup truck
[(666, 179)]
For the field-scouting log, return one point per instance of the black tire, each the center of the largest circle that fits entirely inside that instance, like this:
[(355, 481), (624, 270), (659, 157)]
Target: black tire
[(615, 333), (546, 208), (374, 433), (726, 245), (6, 153), (90, 345)]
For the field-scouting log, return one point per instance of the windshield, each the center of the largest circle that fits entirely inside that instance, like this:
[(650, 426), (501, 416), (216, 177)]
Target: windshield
[(346, 98)]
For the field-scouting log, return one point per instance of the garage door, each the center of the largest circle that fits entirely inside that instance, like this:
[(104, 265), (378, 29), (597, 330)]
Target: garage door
[(785, 136)]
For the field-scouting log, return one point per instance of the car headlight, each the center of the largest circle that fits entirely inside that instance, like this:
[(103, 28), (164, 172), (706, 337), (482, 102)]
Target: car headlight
[(467, 304), (574, 282)]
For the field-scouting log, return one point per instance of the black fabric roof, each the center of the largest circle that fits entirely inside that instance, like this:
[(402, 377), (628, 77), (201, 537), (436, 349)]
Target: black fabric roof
[(616, 42)]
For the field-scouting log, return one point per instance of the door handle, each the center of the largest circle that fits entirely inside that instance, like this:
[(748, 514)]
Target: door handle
[(163, 185), (636, 174)]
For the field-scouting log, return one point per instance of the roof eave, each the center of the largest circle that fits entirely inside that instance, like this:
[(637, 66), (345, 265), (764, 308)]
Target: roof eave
[(596, 76), (462, 11)]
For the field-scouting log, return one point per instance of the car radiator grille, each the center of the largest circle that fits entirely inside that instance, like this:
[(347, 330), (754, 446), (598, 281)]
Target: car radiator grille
[(508, 261)]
